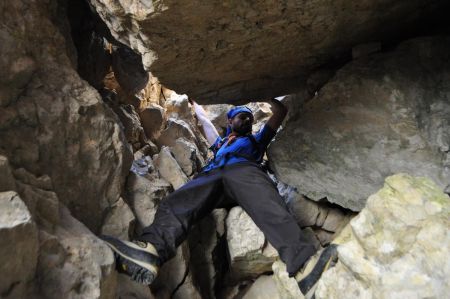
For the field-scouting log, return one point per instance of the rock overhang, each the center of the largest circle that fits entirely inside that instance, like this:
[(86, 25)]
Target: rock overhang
[(226, 51)]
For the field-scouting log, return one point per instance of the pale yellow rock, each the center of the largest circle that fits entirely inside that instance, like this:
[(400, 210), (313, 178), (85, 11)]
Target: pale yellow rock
[(397, 247), (249, 252), (169, 168), (287, 287)]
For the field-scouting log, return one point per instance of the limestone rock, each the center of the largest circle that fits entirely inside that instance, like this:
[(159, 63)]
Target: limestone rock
[(305, 211), (287, 286), (43, 205), (143, 196), (178, 107), (129, 289), (152, 119), (128, 70), (18, 246), (208, 261), (117, 221), (398, 246), (217, 114), (43, 182), (37, 194), (169, 169), (175, 129), (220, 51), (250, 254), (335, 219), (73, 263), (147, 150), (185, 153), (7, 182), (175, 278), (263, 288), (134, 133), (53, 122), (378, 116), (365, 49)]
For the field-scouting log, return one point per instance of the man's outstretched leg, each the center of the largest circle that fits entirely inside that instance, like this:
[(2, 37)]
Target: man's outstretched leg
[(255, 192), (142, 258)]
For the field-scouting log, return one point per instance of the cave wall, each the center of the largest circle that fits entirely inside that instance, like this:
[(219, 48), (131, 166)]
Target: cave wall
[(52, 121), (226, 51), (379, 115)]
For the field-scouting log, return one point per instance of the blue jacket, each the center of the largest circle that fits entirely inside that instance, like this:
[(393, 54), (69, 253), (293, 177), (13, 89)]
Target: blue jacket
[(242, 145)]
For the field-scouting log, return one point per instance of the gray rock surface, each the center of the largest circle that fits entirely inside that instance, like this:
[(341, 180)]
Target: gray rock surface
[(18, 246), (169, 169), (220, 51), (152, 119), (185, 153), (128, 70), (134, 133), (117, 221), (249, 253), (128, 289), (263, 288), (7, 182), (51, 121), (397, 247), (143, 195), (74, 263), (380, 115), (174, 279), (287, 286)]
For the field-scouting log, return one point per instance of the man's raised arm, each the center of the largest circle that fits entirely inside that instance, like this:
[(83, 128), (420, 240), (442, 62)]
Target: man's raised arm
[(279, 112), (210, 131)]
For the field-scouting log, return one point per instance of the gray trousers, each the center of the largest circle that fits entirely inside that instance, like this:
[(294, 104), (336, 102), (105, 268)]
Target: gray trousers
[(247, 185)]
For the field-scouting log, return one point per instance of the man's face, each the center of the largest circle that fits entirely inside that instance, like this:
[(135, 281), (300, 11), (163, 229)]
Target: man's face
[(241, 123)]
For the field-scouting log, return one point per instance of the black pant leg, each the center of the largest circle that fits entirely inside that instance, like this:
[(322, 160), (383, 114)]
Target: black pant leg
[(256, 193), (180, 210)]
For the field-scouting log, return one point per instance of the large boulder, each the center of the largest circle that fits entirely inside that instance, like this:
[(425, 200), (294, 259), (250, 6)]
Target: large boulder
[(74, 263), (186, 154), (397, 247), (18, 246), (379, 115), (217, 51), (143, 195), (53, 122), (249, 253), (169, 169), (263, 288), (128, 69), (118, 221), (175, 278), (7, 182)]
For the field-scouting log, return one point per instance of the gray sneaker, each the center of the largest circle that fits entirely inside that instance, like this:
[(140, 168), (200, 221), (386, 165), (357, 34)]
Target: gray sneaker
[(137, 259)]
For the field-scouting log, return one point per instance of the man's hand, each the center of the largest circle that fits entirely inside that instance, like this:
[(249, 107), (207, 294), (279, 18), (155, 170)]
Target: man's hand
[(279, 112)]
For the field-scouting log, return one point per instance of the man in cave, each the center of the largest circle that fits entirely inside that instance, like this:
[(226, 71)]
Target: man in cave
[(235, 172)]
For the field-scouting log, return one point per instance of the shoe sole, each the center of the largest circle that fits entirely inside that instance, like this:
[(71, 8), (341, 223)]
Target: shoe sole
[(142, 258), (321, 266)]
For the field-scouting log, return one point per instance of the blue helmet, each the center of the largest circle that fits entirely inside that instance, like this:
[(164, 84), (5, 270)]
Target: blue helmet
[(236, 110)]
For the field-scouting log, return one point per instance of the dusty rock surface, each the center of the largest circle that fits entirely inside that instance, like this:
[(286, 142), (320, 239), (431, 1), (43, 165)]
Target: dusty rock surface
[(379, 115), (222, 51), (51, 121), (18, 246), (249, 252), (398, 246)]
